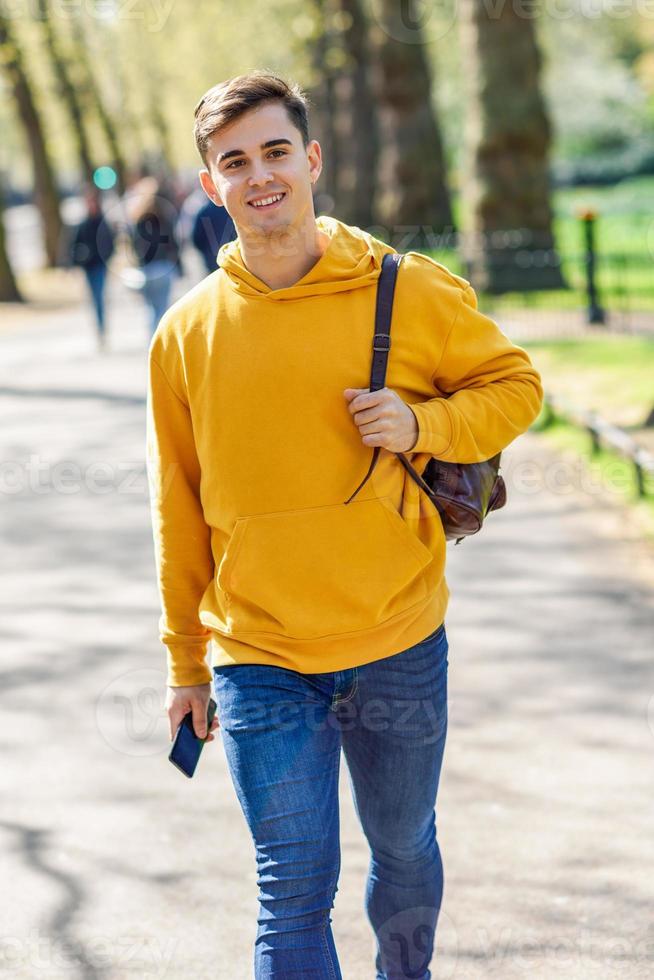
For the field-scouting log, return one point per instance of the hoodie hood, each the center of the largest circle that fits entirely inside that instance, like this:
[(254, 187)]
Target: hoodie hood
[(352, 259)]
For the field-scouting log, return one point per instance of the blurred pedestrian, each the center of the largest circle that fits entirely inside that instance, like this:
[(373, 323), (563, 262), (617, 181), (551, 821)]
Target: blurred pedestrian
[(153, 217), (212, 227), (91, 248)]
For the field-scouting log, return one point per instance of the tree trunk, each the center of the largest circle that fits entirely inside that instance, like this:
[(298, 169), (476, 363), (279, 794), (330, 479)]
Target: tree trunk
[(356, 122), (45, 188), (9, 292), (67, 92), (98, 102), (323, 110), (160, 124), (412, 202), (506, 189)]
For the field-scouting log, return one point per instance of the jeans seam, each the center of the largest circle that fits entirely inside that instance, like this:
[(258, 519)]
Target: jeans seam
[(332, 888), (326, 950)]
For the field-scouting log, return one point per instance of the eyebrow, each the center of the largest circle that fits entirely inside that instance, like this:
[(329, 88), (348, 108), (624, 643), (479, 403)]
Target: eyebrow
[(241, 153)]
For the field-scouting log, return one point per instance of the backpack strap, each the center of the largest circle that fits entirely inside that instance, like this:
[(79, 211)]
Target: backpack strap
[(381, 342)]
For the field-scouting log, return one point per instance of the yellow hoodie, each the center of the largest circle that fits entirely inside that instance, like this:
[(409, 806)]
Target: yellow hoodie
[(252, 451)]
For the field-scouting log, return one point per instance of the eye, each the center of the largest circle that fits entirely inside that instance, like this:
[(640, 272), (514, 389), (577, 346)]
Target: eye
[(283, 152), (232, 164)]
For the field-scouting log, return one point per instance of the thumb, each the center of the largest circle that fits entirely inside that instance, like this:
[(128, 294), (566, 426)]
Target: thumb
[(199, 719)]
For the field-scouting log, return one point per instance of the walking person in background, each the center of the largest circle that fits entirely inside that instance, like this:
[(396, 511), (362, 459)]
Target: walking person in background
[(153, 215), (326, 622), (212, 227), (91, 247)]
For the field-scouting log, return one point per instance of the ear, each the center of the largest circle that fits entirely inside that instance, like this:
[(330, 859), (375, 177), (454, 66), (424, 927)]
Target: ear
[(314, 157), (209, 188)]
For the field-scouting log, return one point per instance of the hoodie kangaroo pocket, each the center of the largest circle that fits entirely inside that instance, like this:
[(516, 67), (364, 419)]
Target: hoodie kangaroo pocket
[(322, 571)]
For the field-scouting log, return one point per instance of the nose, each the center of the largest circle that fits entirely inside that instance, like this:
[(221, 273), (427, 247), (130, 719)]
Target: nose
[(259, 177)]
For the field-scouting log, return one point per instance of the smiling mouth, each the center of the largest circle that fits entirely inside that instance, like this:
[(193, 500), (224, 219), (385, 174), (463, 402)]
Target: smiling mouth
[(273, 200)]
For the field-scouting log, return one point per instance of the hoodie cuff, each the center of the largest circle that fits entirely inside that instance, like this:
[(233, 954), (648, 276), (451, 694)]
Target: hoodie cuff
[(434, 427), (186, 666)]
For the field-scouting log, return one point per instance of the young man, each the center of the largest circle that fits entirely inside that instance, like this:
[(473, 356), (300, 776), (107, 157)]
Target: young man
[(325, 620)]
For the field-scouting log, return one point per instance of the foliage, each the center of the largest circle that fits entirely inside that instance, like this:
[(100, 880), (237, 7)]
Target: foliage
[(599, 71)]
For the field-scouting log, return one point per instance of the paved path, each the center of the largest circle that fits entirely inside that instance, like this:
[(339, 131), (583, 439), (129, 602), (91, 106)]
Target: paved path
[(114, 866)]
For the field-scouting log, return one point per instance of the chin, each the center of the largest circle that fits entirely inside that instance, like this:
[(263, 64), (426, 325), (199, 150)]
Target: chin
[(281, 226)]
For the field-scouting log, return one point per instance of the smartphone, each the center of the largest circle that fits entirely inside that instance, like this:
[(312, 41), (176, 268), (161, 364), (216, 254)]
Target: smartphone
[(186, 749)]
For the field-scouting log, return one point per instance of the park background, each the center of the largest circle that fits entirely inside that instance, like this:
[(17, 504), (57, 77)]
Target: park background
[(512, 141), (497, 136)]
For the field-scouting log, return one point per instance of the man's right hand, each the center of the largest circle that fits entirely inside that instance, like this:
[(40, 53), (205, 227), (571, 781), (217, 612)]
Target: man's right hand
[(195, 698)]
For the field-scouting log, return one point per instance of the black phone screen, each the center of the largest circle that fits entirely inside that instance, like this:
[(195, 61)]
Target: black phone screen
[(187, 747)]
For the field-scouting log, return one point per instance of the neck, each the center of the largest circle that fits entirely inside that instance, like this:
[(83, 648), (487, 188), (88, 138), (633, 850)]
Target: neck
[(283, 257)]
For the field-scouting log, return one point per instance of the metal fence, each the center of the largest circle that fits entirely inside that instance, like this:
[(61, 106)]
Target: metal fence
[(617, 293)]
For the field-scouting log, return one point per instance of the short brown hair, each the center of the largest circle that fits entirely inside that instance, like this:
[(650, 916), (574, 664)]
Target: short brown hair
[(225, 102)]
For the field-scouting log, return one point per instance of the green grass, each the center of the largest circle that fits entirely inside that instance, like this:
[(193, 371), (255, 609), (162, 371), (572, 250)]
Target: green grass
[(613, 376), (625, 216)]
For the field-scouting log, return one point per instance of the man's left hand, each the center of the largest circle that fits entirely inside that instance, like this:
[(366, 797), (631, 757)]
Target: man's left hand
[(383, 419)]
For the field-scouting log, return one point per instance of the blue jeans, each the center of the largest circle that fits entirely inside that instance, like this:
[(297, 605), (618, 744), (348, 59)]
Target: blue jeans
[(96, 276), (158, 283), (282, 732)]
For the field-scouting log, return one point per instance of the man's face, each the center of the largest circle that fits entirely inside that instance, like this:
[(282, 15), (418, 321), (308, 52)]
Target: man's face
[(258, 156)]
